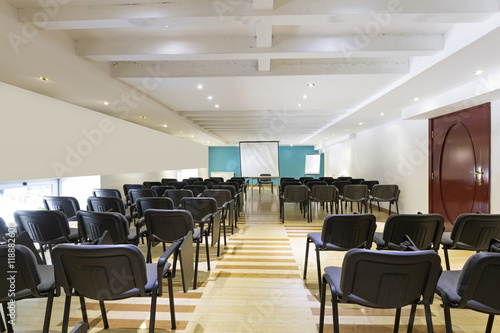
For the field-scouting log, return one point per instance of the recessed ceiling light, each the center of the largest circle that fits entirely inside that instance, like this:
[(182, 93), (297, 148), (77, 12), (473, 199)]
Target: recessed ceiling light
[(200, 86), (166, 26), (416, 99), (304, 96), (105, 103), (382, 113), (347, 130), (299, 105), (479, 72), (43, 78), (216, 106), (210, 97), (310, 84), (360, 123), (142, 117), (164, 125)]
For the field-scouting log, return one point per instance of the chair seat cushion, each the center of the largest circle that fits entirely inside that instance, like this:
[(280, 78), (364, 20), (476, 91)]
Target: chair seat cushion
[(447, 287), (47, 276), (316, 238)]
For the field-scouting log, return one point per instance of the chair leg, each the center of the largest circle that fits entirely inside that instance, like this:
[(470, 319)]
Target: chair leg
[(335, 313), (318, 266), (207, 249), (104, 315), (196, 264), (396, 320), (48, 311), (171, 301), (3, 328), (42, 252), (84, 309), (446, 258), (307, 255), (411, 320), (152, 313), (428, 318), (148, 256), (67, 305), (447, 318), (322, 309), (489, 326)]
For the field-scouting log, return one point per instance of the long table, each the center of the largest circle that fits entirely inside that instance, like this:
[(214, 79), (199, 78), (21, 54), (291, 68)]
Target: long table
[(265, 177)]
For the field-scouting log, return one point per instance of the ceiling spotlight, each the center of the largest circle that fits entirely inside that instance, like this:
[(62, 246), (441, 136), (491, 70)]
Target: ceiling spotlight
[(43, 78), (105, 103), (310, 84), (382, 113), (192, 136), (360, 123), (304, 96), (164, 125), (216, 106), (210, 97), (143, 117), (166, 26), (299, 105), (416, 99), (200, 86), (479, 72)]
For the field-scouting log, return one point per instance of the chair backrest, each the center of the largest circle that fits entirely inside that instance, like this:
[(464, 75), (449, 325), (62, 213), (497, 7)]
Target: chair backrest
[(311, 182), (226, 186), (288, 182), (296, 193), (356, 181), (301, 179), (343, 178), (43, 226), (209, 184), (236, 183), (389, 279), (168, 225), (106, 192), (143, 204), (101, 272), (177, 194), (135, 194), (220, 195), (128, 187), (165, 181), (385, 192), (190, 181), (3, 227), (329, 180), (283, 179), (339, 184), (475, 230), (370, 184), (105, 204), (160, 190), (196, 189), (349, 231), (215, 180), (425, 230), (199, 207), (324, 193), (92, 225), (27, 276), (149, 184), (68, 205), (478, 283), (355, 192), (178, 185)]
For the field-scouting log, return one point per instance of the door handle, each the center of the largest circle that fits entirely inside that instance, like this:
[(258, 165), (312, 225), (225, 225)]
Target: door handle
[(479, 173)]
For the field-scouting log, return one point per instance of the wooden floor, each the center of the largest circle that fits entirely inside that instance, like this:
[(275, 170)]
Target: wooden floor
[(256, 285)]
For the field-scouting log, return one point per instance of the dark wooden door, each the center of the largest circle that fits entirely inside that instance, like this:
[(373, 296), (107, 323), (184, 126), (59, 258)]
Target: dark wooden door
[(460, 163)]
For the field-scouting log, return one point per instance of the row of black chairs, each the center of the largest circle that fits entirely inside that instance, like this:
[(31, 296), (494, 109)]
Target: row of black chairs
[(397, 279)]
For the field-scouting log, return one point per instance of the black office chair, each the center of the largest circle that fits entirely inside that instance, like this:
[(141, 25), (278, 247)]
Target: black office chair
[(91, 271), (475, 287), (68, 205), (196, 189), (128, 187), (233, 205), (160, 190), (165, 181), (166, 226), (177, 185), (32, 279), (385, 193), (106, 192), (425, 230), (92, 225), (45, 227), (341, 233), (208, 183), (295, 194), (324, 194), (150, 184), (177, 194), (205, 211), (143, 204), (224, 204), (265, 181), (384, 280), (471, 232), (354, 193)]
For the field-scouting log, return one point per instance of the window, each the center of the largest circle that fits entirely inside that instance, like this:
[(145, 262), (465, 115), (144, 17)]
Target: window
[(24, 195), (186, 173)]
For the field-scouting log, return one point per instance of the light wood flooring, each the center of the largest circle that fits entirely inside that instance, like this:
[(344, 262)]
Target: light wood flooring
[(255, 285)]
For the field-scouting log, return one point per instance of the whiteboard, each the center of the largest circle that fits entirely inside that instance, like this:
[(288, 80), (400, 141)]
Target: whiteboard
[(313, 164)]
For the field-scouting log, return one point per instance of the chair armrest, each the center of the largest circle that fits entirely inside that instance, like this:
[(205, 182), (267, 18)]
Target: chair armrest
[(162, 261)]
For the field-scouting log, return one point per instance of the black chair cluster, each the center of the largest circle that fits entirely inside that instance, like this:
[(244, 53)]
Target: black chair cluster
[(400, 278)]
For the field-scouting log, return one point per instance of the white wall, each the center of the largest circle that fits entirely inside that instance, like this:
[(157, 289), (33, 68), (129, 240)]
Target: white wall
[(396, 153), (42, 137)]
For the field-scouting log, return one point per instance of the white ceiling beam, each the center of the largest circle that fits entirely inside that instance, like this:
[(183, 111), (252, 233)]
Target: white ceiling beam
[(295, 12), (244, 48), (249, 68), (263, 4)]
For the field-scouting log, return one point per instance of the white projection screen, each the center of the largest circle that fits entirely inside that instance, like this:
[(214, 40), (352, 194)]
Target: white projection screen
[(313, 164), (258, 157)]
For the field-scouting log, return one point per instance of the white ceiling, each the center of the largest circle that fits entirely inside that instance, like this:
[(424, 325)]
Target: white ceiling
[(254, 58)]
